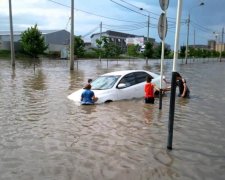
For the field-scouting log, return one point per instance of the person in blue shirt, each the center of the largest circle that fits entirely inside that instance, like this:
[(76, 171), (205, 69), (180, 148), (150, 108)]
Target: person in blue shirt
[(88, 96)]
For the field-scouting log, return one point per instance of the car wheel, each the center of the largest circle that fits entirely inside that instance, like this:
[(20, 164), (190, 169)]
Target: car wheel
[(108, 101)]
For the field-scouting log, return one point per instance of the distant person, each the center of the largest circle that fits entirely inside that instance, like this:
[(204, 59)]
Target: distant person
[(89, 81), (149, 91), (88, 96), (184, 91)]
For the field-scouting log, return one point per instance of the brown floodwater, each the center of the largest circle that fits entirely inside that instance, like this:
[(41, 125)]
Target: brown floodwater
[(45, 136)]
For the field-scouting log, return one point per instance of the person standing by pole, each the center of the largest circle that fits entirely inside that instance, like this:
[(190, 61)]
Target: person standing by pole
[(184, 91)]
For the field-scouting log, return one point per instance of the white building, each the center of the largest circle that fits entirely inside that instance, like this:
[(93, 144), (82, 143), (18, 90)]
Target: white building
[(119, 38)]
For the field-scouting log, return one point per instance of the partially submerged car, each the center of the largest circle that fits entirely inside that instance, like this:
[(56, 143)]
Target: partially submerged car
[(120, 85)]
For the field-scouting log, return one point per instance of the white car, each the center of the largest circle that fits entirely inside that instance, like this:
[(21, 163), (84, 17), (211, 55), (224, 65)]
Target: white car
[(120, 85)]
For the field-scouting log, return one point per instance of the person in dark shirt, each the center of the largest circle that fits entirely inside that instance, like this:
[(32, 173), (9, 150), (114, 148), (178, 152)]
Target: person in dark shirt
[(184, 91)]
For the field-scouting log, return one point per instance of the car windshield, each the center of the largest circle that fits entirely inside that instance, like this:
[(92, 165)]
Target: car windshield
[(104, 82)]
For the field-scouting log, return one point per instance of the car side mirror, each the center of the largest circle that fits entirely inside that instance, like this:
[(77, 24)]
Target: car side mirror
[(121, 86)]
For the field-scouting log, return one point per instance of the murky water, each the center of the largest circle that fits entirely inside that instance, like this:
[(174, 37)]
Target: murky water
[(45, 136)]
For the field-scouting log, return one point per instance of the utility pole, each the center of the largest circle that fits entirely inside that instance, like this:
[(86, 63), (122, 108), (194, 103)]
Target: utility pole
[(147, 22), (100, 40), (11, 36), (194, 44), (194, 38), (148, 27), (100, 30), (72, 37), (188, 25), (221, 46)]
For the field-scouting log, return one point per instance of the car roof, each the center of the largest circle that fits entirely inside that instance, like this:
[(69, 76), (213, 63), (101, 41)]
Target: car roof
[(123, 72)]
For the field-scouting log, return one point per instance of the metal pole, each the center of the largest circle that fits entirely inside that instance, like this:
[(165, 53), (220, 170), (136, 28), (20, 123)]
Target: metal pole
[(173, 81), (162, 60), (161, 73), (188, 24), (148, 27), (11, 36), (100, 30), (194, 38), (194, 44), (72, 37), (221, 45), (100, 39)]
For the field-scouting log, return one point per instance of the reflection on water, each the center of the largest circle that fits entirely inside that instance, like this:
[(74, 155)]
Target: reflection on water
[(46, 136)]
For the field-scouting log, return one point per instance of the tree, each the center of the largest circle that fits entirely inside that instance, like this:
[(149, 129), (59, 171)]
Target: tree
[(182, 51), (110, 49), (99, 50), (148, 52), (79, 46), (158, 51), (32, 42), (133, 50)]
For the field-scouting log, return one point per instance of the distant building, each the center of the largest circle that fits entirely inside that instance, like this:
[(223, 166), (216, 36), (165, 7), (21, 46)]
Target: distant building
[(212, 44), (199, 46), (220, 47), (55, 39), (120, 39)]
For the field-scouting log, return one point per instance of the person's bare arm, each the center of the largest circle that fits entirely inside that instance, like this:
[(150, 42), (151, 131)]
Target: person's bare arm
[(156, 87), (185, 88)]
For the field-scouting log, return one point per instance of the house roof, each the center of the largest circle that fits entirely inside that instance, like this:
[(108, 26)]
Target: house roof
[(115, 33), (19, 32)]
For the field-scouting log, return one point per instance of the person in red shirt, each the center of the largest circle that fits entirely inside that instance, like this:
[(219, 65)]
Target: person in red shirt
[(149, 90)]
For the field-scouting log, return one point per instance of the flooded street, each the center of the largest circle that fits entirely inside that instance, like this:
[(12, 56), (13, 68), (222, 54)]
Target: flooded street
[(45, 136)]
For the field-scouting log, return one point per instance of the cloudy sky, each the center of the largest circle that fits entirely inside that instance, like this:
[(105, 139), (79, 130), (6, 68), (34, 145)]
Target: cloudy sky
[(118, 15)]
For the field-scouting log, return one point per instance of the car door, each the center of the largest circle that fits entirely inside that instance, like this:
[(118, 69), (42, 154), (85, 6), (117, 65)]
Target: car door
[(127, 92), (140, 79)]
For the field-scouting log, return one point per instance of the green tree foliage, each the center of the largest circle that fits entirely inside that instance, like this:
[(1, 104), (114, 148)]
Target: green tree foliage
[(223, 54), (32, 42), (215, 54), (133, 50), (182, 51), (193, 52), (148, 52), (109, 49), (99, 50), (79, 46), (158, 51)]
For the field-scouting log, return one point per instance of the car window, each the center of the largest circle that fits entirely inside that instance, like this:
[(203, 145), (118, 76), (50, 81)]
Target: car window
[(128, 79), (104, 82), (141, 77)]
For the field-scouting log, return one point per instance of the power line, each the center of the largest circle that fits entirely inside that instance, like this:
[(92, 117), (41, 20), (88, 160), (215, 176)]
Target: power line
[(144, 9), (90, 13), (90, 32), (129, 8), (126, 30), (202, 28), (59, 3), (155, 18)]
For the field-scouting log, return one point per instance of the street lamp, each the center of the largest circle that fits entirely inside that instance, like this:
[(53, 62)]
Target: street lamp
[(188, 25), (147, 22), (219, 44)]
